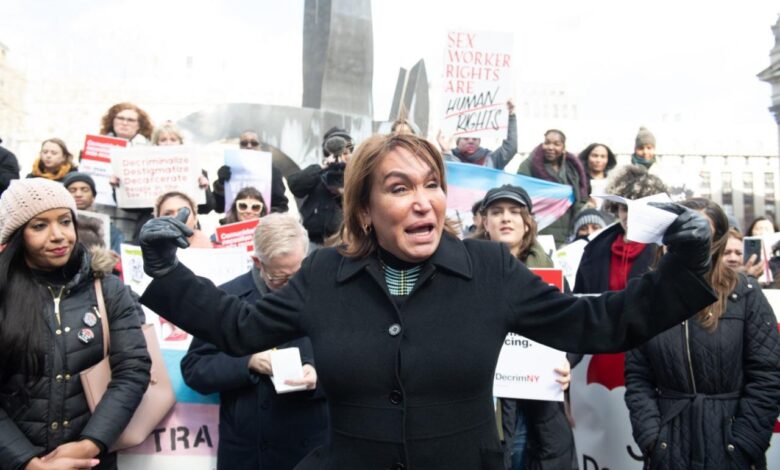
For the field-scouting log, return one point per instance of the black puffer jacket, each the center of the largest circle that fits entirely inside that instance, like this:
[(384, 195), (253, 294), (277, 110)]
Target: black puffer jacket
[(55, 410), (701, 400), (9, 168)]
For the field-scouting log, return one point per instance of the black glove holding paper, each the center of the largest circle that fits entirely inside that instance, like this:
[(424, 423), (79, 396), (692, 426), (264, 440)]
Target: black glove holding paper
[(159, 240), (689, 236)]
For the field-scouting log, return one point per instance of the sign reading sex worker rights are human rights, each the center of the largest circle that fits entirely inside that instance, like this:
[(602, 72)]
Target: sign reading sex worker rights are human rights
[(477, 83), (146, 172)]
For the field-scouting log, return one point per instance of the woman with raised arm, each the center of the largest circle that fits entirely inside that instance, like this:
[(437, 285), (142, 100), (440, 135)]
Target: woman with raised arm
[(407, 321)]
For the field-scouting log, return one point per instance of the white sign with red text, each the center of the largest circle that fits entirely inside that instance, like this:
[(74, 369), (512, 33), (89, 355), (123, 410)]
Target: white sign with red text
[(477, 83)]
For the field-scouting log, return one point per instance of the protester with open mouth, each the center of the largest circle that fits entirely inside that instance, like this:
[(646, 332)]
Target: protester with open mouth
[(407, 321)]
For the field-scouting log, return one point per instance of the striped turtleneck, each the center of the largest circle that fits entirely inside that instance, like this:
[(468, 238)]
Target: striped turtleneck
[(400, 275)]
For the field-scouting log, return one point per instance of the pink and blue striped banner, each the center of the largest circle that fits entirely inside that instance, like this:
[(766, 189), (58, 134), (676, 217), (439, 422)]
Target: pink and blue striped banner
[(468, 183)]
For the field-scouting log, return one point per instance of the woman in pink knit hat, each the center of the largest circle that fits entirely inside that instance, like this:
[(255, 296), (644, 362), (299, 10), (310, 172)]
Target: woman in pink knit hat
[(50, 331)]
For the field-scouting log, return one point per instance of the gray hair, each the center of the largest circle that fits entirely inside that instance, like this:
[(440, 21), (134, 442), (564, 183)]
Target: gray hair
[(277, 234)]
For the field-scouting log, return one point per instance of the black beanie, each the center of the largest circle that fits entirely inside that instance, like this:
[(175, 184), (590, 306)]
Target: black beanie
[(77, 176)]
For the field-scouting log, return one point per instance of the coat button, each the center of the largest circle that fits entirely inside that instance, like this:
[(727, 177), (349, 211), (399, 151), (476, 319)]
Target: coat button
[(55, 425), (663, 445), (67, 329), (67, 377), (734, 296), (66, 424), (730, 447), (396, 397), (58, 378), (58, 332), (394, 330)]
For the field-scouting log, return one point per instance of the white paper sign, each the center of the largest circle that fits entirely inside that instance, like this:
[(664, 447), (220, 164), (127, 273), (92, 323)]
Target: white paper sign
[(477, 83), (147, 172), (286, 365), (526, 369), (646, 224), (217, 265), (248, 168)]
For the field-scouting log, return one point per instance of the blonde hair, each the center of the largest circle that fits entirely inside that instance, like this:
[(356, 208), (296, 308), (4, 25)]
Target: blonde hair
[(167, 128), (358, 181), (277, 234)]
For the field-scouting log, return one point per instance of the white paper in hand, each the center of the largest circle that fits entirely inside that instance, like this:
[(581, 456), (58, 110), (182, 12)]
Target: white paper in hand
[(286, 364), (646, 224)]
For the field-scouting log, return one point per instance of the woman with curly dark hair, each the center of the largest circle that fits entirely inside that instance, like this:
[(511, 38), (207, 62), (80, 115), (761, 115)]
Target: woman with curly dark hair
[(127, 121)]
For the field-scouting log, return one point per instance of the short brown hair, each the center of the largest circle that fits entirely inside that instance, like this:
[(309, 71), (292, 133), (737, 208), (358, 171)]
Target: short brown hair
[(358, 181), (145, 126)]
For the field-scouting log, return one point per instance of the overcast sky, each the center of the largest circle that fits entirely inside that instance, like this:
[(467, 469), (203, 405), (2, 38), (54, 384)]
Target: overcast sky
[(624, 61)]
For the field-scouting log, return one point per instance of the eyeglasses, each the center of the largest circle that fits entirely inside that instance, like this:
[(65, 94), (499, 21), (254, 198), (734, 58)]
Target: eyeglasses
[(275, 278), (254, 206), (125, 119), (245, 144)]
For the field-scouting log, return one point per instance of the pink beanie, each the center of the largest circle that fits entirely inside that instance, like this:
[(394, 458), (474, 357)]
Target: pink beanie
[(26, 198)]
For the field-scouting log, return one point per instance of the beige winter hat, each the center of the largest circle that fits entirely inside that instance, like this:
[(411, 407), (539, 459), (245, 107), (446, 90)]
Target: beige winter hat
[(26, 198)]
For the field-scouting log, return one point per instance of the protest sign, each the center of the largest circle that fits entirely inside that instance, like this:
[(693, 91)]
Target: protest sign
[(248, 168), (96, 161), (147, 172), (477, 83), (525, 368), (103, 220), (239, 234), (189, 435)]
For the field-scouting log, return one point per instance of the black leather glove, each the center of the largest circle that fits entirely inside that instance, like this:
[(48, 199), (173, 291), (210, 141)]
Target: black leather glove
[(159, 240), (223, 174), (689, 237)]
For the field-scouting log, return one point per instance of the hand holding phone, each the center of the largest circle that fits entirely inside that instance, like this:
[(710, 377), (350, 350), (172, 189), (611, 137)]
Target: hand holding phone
[(751, 246)]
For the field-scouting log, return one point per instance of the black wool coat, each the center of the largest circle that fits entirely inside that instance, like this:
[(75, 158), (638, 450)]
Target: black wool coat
[(56, 411), (701, 399), (410, 387), (258, 428)]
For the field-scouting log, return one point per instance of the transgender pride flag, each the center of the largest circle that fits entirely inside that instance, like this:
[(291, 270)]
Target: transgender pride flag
[(467, 183)]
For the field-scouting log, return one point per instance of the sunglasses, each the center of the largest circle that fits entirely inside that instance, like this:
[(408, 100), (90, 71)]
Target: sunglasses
[(244, 144), (254, 206)]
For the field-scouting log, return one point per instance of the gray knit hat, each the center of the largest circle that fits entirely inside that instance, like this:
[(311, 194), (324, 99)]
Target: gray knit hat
[(644, 137), (24, 199), (588, 216)]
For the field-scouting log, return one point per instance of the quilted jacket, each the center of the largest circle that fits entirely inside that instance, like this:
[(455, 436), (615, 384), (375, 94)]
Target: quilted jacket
[(700, 399), (54, 410)]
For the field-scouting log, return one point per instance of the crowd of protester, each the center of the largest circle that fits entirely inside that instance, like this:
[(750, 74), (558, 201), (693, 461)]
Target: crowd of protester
[(702, 340)]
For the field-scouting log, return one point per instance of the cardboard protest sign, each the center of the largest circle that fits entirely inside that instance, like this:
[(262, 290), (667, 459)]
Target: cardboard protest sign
[(248, 168), (477, 83), (96, 161), (525, 368), (239, 234), (147, 172)]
